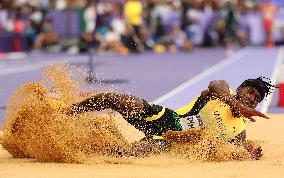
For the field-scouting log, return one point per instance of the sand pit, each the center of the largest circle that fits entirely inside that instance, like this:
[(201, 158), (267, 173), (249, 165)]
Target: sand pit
[(271, 165)]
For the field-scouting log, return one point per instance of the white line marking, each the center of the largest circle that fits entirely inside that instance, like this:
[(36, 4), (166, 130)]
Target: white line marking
[(275, 74), (201, 76)]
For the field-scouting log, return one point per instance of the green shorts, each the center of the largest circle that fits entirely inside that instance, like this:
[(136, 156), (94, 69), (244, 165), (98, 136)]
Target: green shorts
[(168, 121)]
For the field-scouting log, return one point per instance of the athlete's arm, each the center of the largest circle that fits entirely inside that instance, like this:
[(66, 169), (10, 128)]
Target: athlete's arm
[(220, 89)]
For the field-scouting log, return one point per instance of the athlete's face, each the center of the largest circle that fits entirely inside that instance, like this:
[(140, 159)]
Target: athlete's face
[(248, 96)]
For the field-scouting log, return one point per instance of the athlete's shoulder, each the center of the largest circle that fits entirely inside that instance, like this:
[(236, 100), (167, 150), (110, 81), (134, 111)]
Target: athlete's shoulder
[(187, 108)]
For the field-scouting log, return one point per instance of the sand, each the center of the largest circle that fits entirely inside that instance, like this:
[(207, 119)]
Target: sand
[(36, 125), (271, 165)]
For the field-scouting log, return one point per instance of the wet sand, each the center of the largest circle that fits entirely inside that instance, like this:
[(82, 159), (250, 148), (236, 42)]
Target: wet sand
[(271, 165)]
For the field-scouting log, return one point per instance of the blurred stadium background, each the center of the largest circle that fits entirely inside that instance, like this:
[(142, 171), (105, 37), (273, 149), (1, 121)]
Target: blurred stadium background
[(165, 51)]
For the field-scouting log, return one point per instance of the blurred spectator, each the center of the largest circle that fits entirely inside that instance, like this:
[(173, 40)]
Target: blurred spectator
[(174, 41), (166, 41), (231, 26), (36, 18), (3, 18), (133, 11), (19, 28), (268, 12), (113, 43), (118, 24), (211, 35), (104, 16), (109, 37), (146, 38), (61, 4), (76, 4), (89, 17), (138, 25), (164, 10), (31, 34), (180, 39), (192, 25), (149, 15), (47, 35), (131, 41), (243, 31)]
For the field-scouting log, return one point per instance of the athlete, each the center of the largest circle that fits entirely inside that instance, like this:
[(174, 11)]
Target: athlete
[(155, 120)]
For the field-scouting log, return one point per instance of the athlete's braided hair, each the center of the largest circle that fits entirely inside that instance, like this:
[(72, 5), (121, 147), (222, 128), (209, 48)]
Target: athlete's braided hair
[(261, 84)]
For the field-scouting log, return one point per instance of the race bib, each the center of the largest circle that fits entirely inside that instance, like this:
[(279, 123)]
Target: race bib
[(191, 122)]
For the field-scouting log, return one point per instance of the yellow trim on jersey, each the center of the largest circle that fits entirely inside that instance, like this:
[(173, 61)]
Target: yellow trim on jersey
[(157, 116), (185, 109), (231, 92)]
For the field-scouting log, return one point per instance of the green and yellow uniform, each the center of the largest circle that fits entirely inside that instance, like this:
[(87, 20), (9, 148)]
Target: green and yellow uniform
[(156, 119), (214, 114)]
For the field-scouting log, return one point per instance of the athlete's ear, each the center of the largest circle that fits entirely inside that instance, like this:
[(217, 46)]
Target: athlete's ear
[(238, 89)]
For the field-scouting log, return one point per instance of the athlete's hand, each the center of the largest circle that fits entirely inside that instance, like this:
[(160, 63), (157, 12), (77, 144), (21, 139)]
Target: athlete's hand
[(250, 112)]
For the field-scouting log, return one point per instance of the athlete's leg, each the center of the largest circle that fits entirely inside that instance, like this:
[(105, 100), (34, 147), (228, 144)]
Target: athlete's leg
[(136, 111), (126, 105)]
